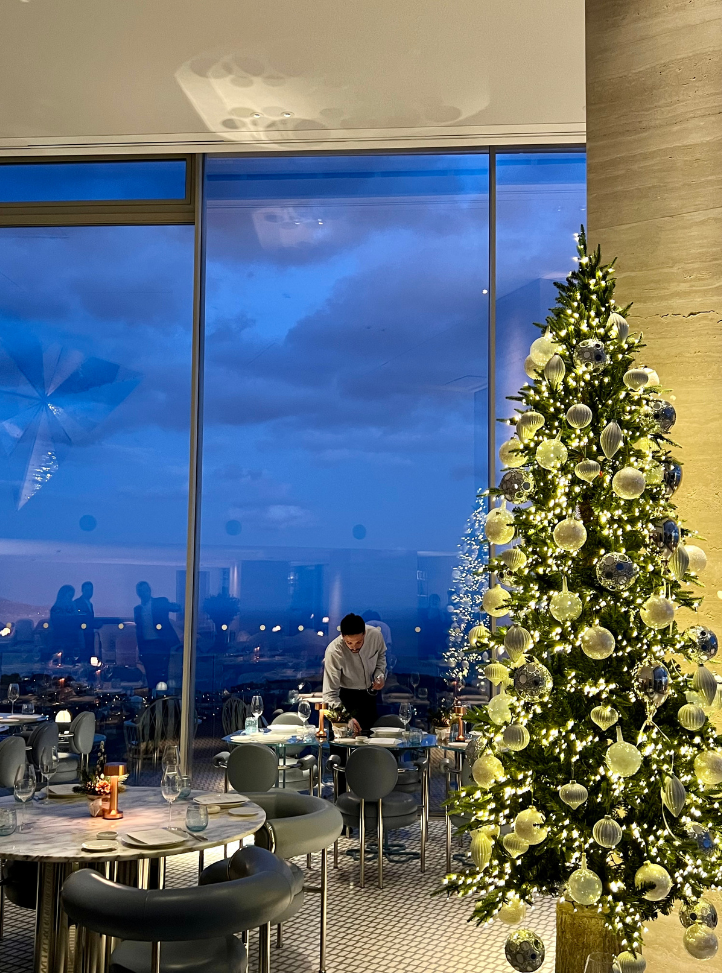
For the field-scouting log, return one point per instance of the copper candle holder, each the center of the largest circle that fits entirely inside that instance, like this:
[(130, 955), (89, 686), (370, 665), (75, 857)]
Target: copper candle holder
[(320, 733), (459, 713), (113, 772)]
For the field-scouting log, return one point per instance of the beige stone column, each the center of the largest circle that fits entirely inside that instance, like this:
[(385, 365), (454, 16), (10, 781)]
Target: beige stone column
[(654, 141)]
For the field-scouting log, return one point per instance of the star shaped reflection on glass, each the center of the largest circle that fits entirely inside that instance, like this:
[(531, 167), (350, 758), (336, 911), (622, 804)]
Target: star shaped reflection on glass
[(51, 397)]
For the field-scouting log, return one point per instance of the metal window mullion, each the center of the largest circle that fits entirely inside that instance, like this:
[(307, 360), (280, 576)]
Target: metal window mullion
[(491, 364)]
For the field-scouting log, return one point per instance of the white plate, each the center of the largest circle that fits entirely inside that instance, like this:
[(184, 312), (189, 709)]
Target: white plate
[(64, 790), (347, 740), (387, 731), (242, 812), (225, 800), (384, 741), (97, 846), (156, 838)]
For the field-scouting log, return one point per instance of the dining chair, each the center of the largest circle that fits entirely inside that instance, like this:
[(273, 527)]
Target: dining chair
[(12, 758), (43, 737), (185, 930), (248, 760), (233, 717), (410, 780), (80, 741), (371, 800)]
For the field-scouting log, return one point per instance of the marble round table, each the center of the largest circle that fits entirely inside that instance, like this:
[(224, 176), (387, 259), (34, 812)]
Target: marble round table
[(60, 827)]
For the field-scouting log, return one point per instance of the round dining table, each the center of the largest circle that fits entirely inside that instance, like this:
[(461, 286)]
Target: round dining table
[(58, 829)]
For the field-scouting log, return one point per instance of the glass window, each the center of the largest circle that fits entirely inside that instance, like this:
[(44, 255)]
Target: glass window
[(95, 349), (345, 413), (540, 204), (40, 182)]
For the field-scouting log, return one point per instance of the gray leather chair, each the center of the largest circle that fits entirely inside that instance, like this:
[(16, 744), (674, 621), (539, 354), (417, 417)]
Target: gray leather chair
[(12, 758), (43, 736), (79, 742), (410, 771), (295, 825), (248, 767), (372, 801), (189, 930)]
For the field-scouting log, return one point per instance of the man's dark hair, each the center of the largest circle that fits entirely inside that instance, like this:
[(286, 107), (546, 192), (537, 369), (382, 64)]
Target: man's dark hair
[(353, 625)]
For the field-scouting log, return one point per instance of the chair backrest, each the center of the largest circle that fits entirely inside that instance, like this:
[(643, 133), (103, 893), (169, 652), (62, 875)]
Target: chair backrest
[(391, 719), (252, 767), (263, 892), (83, 733), (12, 758), (235, 711), (287, 719), (44, 736), (371, 772)]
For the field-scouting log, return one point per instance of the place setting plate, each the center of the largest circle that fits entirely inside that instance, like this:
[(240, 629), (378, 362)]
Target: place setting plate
[(154, 838), (222, 800)]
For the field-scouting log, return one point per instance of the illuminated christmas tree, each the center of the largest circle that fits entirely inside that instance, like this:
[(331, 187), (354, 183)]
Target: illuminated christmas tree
[(598, 770), (470, 582)]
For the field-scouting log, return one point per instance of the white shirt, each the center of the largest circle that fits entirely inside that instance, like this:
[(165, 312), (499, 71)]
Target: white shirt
[(344, 669)]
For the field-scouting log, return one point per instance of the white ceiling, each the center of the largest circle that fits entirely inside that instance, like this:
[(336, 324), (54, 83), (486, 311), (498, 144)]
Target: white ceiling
[(133, 75)]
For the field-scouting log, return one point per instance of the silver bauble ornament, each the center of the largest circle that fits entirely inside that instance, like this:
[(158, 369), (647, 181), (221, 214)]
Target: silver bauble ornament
[(629, 483), (517, 641), (531, 368), (697, 558), (499, 525), (517, 485), (618, 326), (514, 845), (585, 886), (703, 838), (700, 941), (478, 636), (529, 825), (665, 536), (511, 453), (597, 642), (604, 716), (623, 758), (656, 876), (704, 683), (607, 833), (635, 379), (544, 348), (532, 680), (573, 794), (496, 601), (611, 439), (524, 951), (551, 454), (679, 563), (664, 414), (570, 534), (516, 737), (657, 612), (591, 352), (704, 641), (528, 423), (708, 767), (554, 371), (587, 470), (701, 911), (651, 682), (514, 559), (672, 477), (565, 605), (673, 795), (579, 416), (691, 716), (616, 572), (630, 962)]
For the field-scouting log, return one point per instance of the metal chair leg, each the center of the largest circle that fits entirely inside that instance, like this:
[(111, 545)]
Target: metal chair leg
[(424, 819), (201, 860), (279, 936), (362, 841), (2, 907), (308, 860), (324, 909), (155, 958), (264, 949), (448, 841), (335, 853), (381, 845)]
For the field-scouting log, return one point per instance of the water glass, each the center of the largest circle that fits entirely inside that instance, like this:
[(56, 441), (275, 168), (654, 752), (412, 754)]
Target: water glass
[(196, 817), (251, 724), (186, 787), (13, 696), (27, 709), (8, 821), (415, 736)]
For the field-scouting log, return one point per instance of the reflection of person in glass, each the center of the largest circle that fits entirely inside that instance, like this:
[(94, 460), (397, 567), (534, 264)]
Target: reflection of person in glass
[(65, 625), (354, 667), (84, 607), (156, 636)]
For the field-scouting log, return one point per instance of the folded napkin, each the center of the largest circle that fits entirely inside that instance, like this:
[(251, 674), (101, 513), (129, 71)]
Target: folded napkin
[(154, 837), (224, 800)]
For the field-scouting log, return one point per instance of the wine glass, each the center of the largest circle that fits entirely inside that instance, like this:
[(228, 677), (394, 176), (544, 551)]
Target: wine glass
[(13, 696), (25, 782), (304, 711), (406, 711), (170, 787), (257, 706), (48, 765), (196, 817), (414, 680), (171, 759)]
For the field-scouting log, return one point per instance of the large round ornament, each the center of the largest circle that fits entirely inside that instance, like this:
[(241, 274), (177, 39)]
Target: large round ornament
[(487, 770), (478, 636), (499, 526), (679, 563), (628, 483), (585, 886), (611, 439), (704, 641), (672, 477), (514, 845), (665, 536), (514, 559), (673, 795), (691, 716), (704, 683), (618, 326), (664, 413), (516, 737), (532, 680), (657, 612), (658, 877), (628, 962), (517, 485), (528, 423), (573, 794), (570, 534), (544, 348), (524, 951), (635, 379), (701, 911), (703, 838), (551, 454), (481, 848), (531, 368), (498, 709), (604, 716), (587, 470), (591, 352), (652, 376), (511, 453), (623, 758), (529, 825), (607, 833), (554, 371), (597, 642), (651, 682), (579, 415), (700, 941), (616, 572), (565, 605), (697, 558), (496, 601), (517, 642), (708, 767), (512, 912)]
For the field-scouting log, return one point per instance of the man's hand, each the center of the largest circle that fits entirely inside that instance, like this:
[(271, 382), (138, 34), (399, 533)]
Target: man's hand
[(379, 682), (355, 725)]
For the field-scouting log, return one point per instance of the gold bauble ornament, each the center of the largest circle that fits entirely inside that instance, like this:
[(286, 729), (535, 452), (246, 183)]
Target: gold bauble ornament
[(708, 767), (499, 526), (514, 559), (631, 962), (657, 876), (516, 737), (700, 941), (629, 483), (478, 636), (573, 794), (565, 605), (514, 845), (704, 683), (497, 674), (579, 415), (531, 368), (481, 848), (623, 758), (691, 716), (611, 439), (570, 534), (487, 770), (597, 642), (496, 601), (587, 470), (657, 612), (679, 562), (511, 453), (498, 709), (673, 795), (512, 912), (551, 454), (635, 379), (528, 423), (529, 825), (585, 886), (544, 348), (554, 371), (697, 558), (604, 716), (607, 833), (517, 642)]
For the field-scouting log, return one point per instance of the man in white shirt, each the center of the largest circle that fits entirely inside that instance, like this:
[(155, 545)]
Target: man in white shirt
[(354, 669)]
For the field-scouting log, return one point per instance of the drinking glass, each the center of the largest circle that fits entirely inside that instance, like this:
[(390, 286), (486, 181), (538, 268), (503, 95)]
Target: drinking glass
[(27, 709), (48, 766), (171, 759), (406, 711), (304, 711), (170, 787), (196, 817), (257, 706), (25, 782), (13, 696), (423, 693), (186, 787), (414, 679), (8, 821), (601, 963)]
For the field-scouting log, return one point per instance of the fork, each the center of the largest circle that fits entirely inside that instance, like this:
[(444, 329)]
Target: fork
[(198, 837)]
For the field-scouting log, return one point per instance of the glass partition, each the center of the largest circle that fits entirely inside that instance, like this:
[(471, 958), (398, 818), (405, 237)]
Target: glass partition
[(36, 182)]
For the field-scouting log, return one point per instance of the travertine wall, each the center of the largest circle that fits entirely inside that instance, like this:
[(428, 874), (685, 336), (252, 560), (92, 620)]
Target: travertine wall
[(654, 142)]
